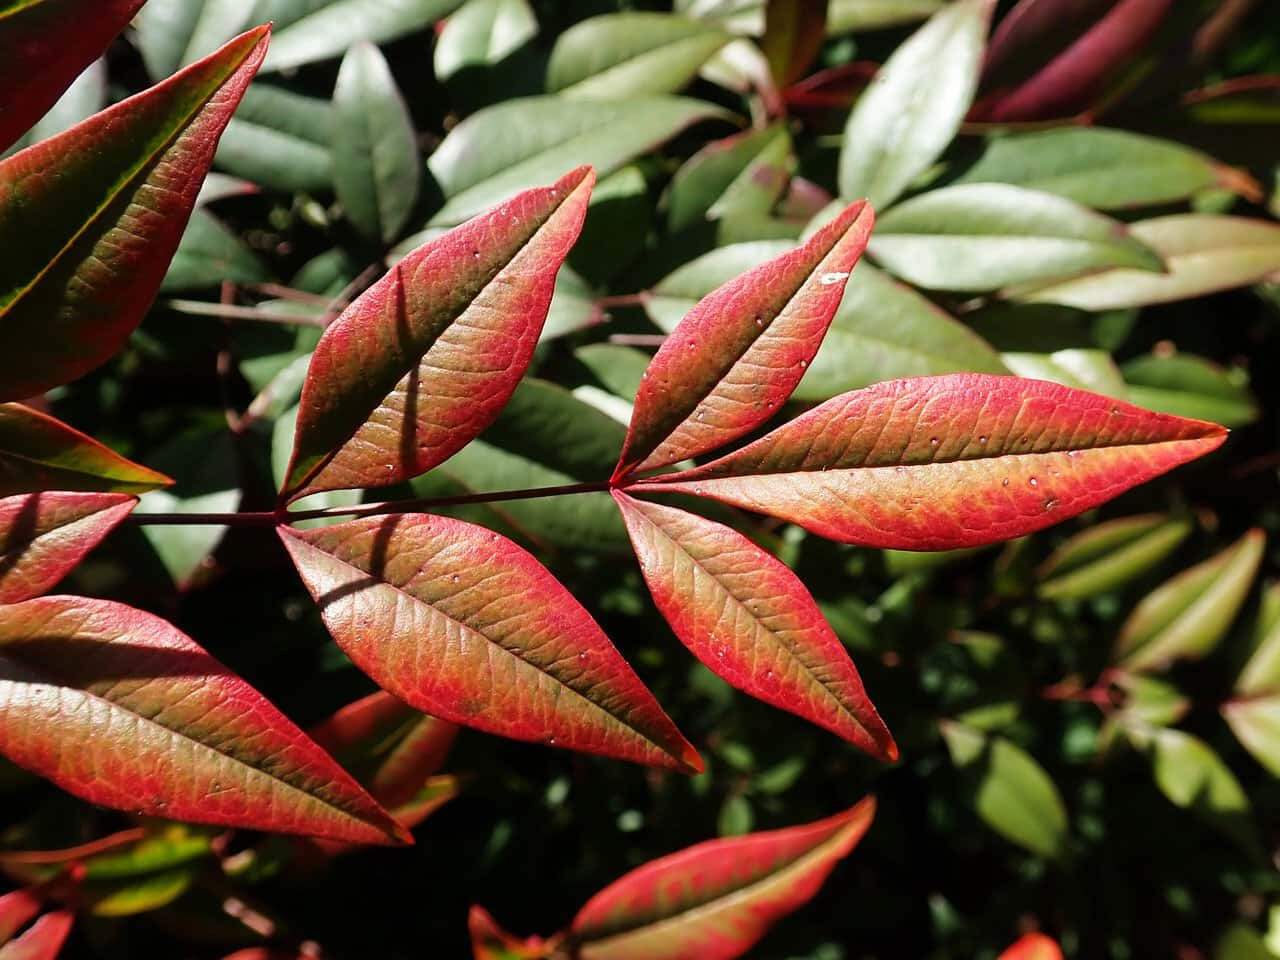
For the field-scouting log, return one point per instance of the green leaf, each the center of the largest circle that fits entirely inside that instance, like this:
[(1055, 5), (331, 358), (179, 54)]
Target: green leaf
[(1190, 386), (1092, 370), (1202, 253), (1150, 701), (203, 465), (307, 30), (855, 16), (912, 110), (483, 33), (884, 330), (1241, 942), (1186, 617), (1256, 724), (280, 140), (676, 294), (1253, 713), (526, 141), (210, 253), (1261, 673), (171, 34), (742, 175), (626, 55), (1109, 555), (1010, 791), (981, 236), (376, 170), (736, 816), (1094, 166)]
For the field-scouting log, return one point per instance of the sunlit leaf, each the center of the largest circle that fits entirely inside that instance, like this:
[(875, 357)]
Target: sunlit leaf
[(43, 57), (82, 676), (855, 16), (910, 113), (716, 899), (17, 909), (937, 463), (1262, 670), (376, 170), (1092, 370), (44, 535), (483, 33), (279, 139), (1256, 723), (171, 34), (311, 30), (1241, 942), (1190, 386), (741, 175), (793, 35), (1185, 617), (626, 55), (43, 940), (980, 236), (1109, 555), (1254, 711), (426, 358), (1202, 253), (463, 624), (90, 218), (746, 616), (736, 357), (1033, 946)]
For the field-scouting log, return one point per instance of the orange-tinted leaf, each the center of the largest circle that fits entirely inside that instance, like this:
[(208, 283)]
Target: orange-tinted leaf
[(89, 219), (46, 44), (44, 535), (490, 942), (746, 616), (43, 941), (17, 910), (121, 709), (399, 746), (735, 358), (1033, 946), (938, 463), (39, 452), (426, 358), (460, 622), (715, 900)]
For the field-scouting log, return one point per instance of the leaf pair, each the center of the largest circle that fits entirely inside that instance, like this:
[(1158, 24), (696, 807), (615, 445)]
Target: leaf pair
[(713, 901)]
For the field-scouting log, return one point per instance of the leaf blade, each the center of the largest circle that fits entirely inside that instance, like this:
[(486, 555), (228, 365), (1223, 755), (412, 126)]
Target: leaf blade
[(44, 535)]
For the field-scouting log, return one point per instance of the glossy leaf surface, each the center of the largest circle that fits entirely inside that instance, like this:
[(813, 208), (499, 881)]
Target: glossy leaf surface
[(634, 54), (42, 57), (910, 113), (1202, 253), (1186, 617), (1256, 723), (483, 33), (1033, 946), (44, 535), (39, 452), (279, 139), (463, 624), (85, 97), (1254, 711), (518, 143), (1091, 370), (81, 677), (980, 236), (740, 175), (376, 170), (1094, 166), (746, 616), (938, 463), (1009, 790), (1190, 386), (312, 30), (1109, 555), (426, 358), (736, 357), (91, 217), (716, 899), (171, 34), (1261, 672)]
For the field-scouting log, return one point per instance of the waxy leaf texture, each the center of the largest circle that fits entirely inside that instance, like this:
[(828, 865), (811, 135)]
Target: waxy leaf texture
[(426, 358), (937, 463), (39, 452), (119, 708), (745, 615), (713, 901), (90, 218), (46, 44), (44, 535), (460, 622), (736, 357)]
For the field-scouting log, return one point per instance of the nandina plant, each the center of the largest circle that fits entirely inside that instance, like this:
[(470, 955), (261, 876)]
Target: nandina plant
[(455, 622)]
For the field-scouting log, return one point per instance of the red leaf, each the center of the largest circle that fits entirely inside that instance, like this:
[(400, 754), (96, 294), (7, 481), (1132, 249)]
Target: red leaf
[(17, 910), (121, 709), (463, 624), (715, 900), (490, 942), (90, 218), (43, 941), (1033, 946), (735, 358), (746, 616), (939, 463), (39, 452), (426, 358), (47, 44), (794, 31), (44, 535), (405, 745), (1072, 80)]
